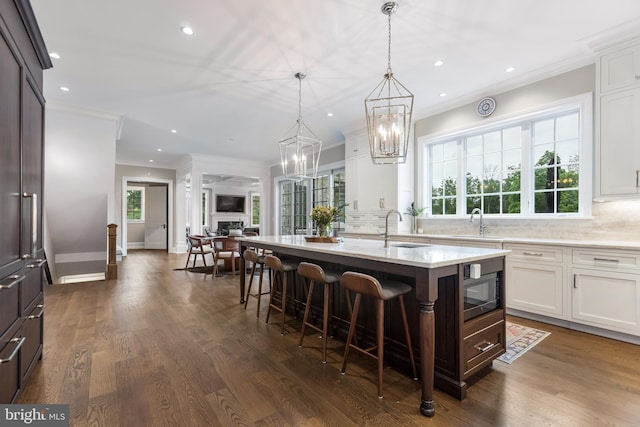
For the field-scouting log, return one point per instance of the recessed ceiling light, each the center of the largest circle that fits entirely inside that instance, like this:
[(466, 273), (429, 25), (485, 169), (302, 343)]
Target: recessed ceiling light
[(443, 94), (54, 55), (330, 114), (173, 131), (438, 63), (187, 30), (64, 88), (510, 69), (159, 149), (150, 160)]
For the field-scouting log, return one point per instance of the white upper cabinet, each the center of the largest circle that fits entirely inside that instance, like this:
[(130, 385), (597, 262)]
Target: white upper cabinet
[(618, 123), (620, 68)]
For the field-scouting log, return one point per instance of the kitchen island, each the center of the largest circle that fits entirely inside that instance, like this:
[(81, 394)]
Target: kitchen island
[(431, 270)]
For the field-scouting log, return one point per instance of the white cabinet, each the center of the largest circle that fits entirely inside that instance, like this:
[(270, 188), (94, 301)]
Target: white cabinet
[(370, 190), (619, 145), (617, 124), (620, 68), (606, 289), (535, 276)]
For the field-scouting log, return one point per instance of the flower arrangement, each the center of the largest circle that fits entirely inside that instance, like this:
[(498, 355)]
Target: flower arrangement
[(323, 216), (413, 211)]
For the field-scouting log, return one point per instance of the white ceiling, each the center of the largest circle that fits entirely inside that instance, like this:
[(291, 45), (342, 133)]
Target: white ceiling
[(230, 90)]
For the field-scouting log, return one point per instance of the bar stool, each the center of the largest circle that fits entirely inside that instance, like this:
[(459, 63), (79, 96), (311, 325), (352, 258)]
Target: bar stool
[(385, 290), (251, 256), (281, 271), (316, 274)]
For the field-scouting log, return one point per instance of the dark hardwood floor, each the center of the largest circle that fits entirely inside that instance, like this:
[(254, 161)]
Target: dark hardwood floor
[(162, 347)]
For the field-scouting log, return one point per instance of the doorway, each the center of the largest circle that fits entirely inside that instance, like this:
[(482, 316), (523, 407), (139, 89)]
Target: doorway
[(154, 229)]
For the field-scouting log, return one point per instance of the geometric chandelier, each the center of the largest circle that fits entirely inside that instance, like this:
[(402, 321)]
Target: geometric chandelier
[(300, 152), (388, 108)]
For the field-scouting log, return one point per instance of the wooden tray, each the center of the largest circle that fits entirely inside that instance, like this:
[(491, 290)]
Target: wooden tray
[(317, 239)]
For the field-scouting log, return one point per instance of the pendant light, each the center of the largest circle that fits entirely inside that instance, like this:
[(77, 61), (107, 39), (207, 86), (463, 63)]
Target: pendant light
[(300, 152), (388, 108)]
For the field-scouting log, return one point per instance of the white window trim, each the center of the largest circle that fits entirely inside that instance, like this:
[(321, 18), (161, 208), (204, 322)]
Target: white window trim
[(583, 102), (142, 203)]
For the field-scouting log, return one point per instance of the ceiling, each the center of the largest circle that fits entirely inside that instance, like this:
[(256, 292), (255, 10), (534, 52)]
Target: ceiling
[(229, 89)]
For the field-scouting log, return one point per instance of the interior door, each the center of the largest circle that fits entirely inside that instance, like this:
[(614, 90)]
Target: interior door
[(155, 231)]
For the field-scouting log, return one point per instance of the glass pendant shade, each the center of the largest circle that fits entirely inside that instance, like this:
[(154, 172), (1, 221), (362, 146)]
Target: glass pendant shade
[(388, 108), (300, 152)]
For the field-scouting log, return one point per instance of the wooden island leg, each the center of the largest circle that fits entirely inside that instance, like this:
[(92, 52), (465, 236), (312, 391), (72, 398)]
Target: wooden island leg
[(427, 356)]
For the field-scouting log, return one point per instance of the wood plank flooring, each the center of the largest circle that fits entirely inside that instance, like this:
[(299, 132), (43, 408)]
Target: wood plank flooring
[(159, 347)]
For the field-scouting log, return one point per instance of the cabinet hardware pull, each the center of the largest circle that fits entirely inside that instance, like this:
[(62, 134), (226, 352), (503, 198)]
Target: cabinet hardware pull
[(638, 178), (20, 341), (34, 224), (39, 315), (489, 346), (15, 279), (637, 76), (605, 259), (37, 263), (575, 281), (532, 253)]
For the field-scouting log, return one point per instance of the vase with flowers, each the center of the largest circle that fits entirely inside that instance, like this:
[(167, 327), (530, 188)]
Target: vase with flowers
[(415, 213), (323, 216)]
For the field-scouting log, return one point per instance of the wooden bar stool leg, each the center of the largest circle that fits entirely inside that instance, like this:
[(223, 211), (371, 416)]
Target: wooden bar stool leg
[(408, 336), (325, 320), (260, 289), (246, 299), (307, 309), (352, 328), (272, 293), (380, 343), (283, 280)]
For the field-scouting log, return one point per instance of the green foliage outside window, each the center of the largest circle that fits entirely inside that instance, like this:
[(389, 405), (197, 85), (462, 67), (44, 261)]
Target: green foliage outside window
[(135, 207)]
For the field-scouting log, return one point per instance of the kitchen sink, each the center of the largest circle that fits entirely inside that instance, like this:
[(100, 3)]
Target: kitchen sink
[(409, 245)]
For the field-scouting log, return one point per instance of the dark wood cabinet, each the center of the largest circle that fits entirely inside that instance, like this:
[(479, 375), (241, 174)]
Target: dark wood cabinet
[(23, 57)]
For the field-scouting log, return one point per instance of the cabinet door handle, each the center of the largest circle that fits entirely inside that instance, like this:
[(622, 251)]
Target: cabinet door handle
[(606, 259), (34, 224), (39, 315), (20, 341), (637, 76), (532, 253), (638, 178), (489, 345), (14, 279), (575, 281)]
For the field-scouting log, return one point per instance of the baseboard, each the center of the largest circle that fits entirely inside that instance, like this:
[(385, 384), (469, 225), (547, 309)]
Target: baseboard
[(135, 245)]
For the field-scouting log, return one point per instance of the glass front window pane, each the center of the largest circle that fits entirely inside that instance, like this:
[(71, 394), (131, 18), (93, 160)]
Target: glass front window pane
[(543, 131), (567, 127), (568, 201), (511, 159), (450, 206), (474, 145), (437, 152), (511, 203), (511, 138), (450, 150), (436, 206), (544, 202), (473, 202), (492, 163), (545, 154), (493, 142), (511, 181), (568, 178), (491, 204), (474, 184), (568, 151)]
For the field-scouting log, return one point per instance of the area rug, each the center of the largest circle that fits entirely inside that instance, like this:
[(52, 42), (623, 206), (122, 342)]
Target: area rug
[(520, 339)]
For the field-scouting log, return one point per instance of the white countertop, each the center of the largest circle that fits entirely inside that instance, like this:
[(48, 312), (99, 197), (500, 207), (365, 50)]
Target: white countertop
[(427, 256), (596, 244)]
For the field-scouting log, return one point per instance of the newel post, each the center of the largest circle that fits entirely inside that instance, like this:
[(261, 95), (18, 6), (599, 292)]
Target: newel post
[(112, 267)]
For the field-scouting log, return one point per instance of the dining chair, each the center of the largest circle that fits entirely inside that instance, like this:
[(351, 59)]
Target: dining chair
[(227, 249), (198, 245)]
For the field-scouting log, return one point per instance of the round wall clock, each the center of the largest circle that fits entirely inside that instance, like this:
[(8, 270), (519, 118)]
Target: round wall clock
[(485, 107)]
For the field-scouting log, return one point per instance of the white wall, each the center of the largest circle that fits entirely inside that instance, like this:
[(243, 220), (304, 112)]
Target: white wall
[(79, 174)]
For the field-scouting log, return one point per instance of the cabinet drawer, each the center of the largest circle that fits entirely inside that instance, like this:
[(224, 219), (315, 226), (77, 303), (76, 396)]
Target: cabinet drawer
[(10, 368), (31, 287), (32, 331), (609, 260), (9, 303), (535, 253), (483, 346)]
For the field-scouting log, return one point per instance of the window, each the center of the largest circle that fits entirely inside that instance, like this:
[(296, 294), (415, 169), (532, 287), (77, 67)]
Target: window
[(135, 204), (205, 208), (528, 166), (296, 199), (255, 209)]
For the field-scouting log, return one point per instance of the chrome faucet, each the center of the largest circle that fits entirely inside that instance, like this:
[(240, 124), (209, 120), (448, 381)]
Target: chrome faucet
[(386, 226), (482, 226)]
